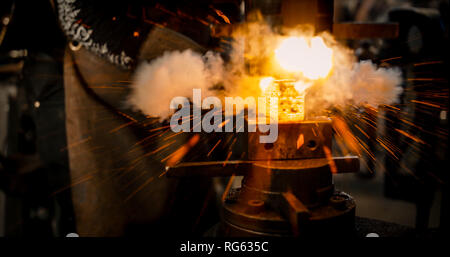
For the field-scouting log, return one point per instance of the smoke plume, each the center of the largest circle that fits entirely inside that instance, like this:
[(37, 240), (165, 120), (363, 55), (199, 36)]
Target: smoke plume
[(177, 73), (173, 74)]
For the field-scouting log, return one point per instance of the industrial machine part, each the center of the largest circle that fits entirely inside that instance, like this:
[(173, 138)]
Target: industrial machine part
[(287, 189)]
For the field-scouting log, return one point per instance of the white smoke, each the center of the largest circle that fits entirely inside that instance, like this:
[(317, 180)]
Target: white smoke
[(173, 74), (366, 84), (176, 73), (359, 84)]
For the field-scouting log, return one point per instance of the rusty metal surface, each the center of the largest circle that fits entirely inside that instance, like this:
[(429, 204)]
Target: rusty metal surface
[(324, 220), (290, 191), (296, 140)]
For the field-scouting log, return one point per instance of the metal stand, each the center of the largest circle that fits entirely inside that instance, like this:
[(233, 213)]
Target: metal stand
[(287, 188)]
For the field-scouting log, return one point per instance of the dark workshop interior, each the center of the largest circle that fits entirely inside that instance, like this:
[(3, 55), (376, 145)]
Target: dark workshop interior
[(104, 133)]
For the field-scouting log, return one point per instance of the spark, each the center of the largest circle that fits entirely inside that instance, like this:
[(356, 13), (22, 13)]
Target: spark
[(428, 63), (427, 79), (344, 132), (176, 156), (174, 135), (159, 128), (232, 143), (329, 157), (426, 103), (224, 123), (143, 140), (153, 152), (226, 160), (214, 147), (223, 16), (82, 141), (390, 59), (416, 139), (121, 126), (360, 130), (383, 144), (126, 116)]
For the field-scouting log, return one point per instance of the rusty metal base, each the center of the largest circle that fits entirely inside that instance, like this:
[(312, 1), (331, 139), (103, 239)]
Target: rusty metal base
[(336, 218)]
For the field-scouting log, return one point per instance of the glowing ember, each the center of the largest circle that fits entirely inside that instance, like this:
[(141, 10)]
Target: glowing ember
[(310, 57), (291, 101)]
